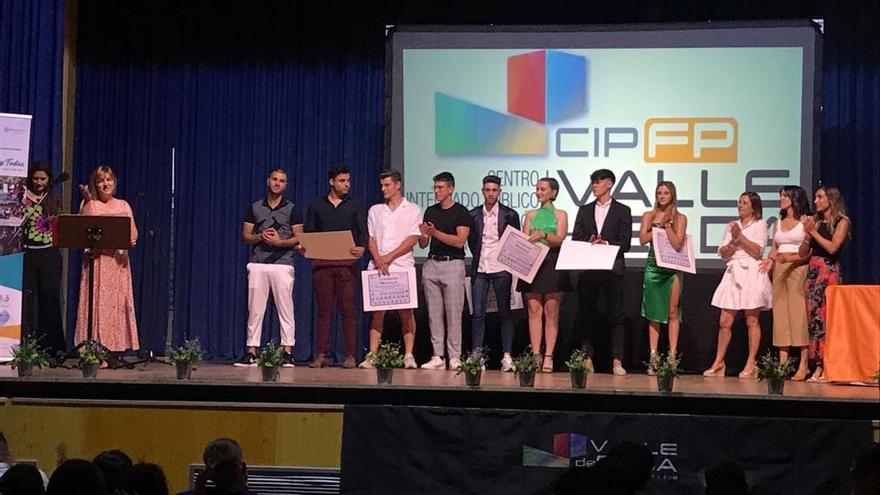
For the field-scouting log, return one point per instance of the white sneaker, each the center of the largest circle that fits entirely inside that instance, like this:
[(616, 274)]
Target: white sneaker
[(507, 363), (454, 363), (436, 363), (366, 365), (409, 362), (618, 370)]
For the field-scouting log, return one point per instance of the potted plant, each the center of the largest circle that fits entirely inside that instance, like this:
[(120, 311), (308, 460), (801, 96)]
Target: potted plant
[(665, 369), (184, 357), (91, 354), (525, 365), (27, 355), (773, 370), (578, 369), (472, 367), (385, 359), (270, 360)]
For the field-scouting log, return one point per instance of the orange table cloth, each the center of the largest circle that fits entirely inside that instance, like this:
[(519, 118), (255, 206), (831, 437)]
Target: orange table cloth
[(852, 339)]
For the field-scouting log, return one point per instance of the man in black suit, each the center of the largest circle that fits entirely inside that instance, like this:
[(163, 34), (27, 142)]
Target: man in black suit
[(604, 221), (489, 221)]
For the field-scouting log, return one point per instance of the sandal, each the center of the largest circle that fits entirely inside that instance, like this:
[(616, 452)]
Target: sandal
[(719, 370), (817, 377), (548, 364)]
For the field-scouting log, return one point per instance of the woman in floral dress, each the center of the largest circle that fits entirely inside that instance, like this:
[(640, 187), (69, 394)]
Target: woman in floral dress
[(827, 232), (114, 323)]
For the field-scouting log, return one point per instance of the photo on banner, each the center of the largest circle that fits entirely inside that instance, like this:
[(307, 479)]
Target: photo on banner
[(15, 134)]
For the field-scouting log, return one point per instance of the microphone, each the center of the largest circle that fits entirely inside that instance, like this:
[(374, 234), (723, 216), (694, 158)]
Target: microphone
[(62, 177)]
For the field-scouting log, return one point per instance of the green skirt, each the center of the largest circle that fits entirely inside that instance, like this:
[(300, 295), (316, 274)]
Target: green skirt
[(657, 288)]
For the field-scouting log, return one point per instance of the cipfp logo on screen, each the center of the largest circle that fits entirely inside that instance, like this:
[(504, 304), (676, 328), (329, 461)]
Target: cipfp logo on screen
[(549, 86), (543, 87)]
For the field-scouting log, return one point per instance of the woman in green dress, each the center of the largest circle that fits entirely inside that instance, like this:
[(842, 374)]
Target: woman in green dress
[(543, 296), (661, 288)]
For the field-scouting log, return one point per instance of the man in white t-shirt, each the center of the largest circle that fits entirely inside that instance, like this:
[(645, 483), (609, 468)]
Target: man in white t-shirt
[(393, 226)]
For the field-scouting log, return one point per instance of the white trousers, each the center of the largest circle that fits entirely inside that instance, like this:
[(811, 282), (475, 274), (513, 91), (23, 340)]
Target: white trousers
[(262, 278)]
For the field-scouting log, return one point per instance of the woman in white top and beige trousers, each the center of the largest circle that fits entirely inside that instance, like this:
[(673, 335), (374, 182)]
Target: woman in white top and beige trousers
[(789, 273)]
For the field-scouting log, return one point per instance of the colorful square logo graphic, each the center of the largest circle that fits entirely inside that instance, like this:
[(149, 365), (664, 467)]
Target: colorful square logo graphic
[(543, 87), (566, 446)]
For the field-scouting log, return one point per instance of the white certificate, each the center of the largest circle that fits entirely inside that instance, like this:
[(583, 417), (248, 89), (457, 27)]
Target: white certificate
[(397, 290), (582, 255), (520, 257), (516, 300), (668, 257)]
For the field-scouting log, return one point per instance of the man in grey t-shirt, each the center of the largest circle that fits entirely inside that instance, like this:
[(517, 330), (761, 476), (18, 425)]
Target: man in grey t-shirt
[(270, 227)]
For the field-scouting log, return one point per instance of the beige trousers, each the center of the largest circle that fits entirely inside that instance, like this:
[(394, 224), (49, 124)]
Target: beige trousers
[(789, 305)]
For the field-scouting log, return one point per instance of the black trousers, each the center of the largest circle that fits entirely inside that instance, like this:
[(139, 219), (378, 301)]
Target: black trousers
[(42, 298), (610, 285)]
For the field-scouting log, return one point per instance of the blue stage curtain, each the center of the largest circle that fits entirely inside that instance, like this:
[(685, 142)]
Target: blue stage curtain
[(237, 90), (31, 61), (851, 130)]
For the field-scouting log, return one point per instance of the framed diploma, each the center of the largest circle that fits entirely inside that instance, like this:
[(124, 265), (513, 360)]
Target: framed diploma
[(520, 257), (668, 257), (397, 290)]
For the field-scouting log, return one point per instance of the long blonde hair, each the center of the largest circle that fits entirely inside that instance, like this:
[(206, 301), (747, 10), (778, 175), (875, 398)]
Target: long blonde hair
[(673, 206), (836, 207)]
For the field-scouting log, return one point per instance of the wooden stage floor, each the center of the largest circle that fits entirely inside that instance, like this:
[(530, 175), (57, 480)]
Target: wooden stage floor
[(219, 384)]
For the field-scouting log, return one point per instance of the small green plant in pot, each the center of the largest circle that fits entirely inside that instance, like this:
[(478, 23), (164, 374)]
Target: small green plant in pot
[(28, 355), (385, 359), (526, 365), (270, 360), (773, 370), (185, 357), (472, 367), (578, 369), (665, 368), (91, 355)]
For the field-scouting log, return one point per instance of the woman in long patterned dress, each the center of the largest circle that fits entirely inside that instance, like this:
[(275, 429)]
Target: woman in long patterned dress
[(744, 287), (827, 232), (661, 288), (543, 296), (114, 323)]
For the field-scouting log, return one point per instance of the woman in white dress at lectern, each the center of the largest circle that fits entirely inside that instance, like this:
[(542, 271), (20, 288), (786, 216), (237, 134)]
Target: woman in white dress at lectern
[(744, 287)]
